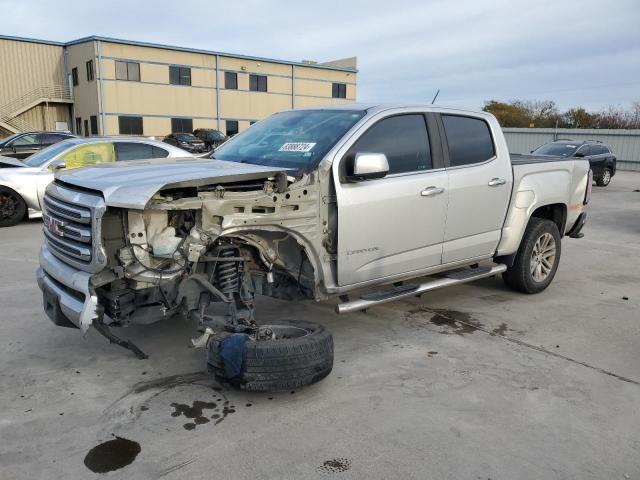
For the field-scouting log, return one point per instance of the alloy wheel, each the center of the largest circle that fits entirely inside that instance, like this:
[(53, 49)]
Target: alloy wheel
[(543, 257)]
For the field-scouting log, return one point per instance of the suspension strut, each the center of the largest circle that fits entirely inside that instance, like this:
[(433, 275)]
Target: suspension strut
[(228, 272)]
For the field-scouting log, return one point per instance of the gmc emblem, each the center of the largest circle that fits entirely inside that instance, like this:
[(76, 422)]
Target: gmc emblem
[(54, 225)]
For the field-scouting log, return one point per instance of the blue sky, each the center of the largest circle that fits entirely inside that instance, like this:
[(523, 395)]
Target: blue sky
[(578, 53)]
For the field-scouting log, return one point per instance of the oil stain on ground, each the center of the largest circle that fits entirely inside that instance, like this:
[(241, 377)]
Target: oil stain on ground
[(220, 409), (336, 465), (112, 455), (458, 323)]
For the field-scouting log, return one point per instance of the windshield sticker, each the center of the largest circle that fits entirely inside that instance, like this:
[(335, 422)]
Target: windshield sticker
[(570, 146), (297, 147)]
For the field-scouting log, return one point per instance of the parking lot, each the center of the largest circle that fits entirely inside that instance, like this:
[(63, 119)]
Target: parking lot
[(472, 382)]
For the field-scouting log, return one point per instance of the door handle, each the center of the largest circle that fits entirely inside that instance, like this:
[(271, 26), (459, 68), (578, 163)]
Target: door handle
[(431, 191), (495, 182)]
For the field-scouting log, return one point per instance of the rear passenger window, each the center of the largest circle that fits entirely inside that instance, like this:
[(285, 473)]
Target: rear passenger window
[(403, 139), (138, 151), (469, 140)]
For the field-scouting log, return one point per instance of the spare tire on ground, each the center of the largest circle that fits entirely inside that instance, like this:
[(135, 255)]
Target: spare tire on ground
[(282, 355)]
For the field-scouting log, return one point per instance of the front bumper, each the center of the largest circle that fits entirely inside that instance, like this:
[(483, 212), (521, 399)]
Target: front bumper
[(68, 297)]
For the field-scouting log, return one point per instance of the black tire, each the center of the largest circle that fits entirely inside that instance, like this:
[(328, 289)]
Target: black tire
[(604, 178), (12, 208), (519, 276), (280, 364)]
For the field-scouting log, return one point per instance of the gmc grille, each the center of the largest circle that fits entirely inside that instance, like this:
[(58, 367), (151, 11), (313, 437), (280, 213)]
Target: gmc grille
[(71, 226)]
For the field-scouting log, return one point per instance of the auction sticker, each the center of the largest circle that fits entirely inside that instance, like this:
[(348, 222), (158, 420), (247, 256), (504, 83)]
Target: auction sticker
[(297, 147)]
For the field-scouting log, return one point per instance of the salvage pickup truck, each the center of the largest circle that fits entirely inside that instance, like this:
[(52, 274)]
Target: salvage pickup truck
[(311, 203)]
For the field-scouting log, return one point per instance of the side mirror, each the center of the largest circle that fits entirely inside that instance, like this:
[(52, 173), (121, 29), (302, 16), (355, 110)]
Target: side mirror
[(532, 151), (580, 155), (57, 165), (368, 166)]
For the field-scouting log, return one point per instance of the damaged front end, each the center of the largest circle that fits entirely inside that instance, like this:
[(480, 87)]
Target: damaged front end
[(198, 251)]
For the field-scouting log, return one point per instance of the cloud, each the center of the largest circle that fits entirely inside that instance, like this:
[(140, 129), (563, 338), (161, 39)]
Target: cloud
[(576, 52)]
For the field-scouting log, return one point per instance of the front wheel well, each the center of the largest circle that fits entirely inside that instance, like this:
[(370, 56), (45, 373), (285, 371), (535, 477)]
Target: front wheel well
[(556, 212)]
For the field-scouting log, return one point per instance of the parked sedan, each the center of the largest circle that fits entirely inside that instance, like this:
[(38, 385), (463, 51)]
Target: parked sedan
[(22, 184), (211, 138), (186, 141), (25, 144), (600, 156)]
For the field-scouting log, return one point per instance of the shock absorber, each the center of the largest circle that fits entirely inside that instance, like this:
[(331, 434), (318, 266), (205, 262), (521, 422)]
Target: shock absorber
[(228, 274)]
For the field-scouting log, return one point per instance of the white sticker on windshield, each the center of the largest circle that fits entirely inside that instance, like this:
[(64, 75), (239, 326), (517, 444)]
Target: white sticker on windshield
[(297, 147), (570, 146)]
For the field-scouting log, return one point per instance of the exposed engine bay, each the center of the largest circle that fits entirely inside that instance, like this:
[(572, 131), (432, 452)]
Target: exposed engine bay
[(205, 252)]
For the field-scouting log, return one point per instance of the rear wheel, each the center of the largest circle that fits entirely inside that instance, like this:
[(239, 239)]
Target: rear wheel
[(537, 259), (279, 356), (12, 207), (604, 178)]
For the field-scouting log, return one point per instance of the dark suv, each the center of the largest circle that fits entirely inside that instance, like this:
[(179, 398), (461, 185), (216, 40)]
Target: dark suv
[(601, 159), (211, 138), (23, 145), (186, 141)]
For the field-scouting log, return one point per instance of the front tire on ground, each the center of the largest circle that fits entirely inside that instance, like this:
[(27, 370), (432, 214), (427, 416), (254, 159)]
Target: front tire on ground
[(12, 207), (537, 259), (300, 354), (604, 178)]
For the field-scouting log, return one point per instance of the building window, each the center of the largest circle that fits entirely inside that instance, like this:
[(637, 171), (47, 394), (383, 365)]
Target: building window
[(179, 75), (78, 126), (94, 124), (339, 90), (128, 71), (181, 125), (232, 127), (74, 76), (258, 83), (230, 80), (86, 128), (90, 71), (130, 125)]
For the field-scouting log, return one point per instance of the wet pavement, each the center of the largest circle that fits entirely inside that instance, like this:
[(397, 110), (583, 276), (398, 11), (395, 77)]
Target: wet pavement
[(473, 382)]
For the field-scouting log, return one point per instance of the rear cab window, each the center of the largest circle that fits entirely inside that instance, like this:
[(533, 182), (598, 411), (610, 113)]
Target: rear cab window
[(469, 140)]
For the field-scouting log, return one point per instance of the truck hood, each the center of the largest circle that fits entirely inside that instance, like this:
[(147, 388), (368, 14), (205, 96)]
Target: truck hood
[(8, 162), (131, 184)]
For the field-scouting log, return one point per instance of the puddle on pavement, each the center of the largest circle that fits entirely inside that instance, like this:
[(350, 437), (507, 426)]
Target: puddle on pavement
[(336, 465), (112, 455)]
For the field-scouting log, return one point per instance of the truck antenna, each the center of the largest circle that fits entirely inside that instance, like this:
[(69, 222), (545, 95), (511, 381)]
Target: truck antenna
[(435, 96)]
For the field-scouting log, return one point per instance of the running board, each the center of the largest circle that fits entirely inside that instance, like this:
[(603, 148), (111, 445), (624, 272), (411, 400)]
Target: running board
[(454, 277)]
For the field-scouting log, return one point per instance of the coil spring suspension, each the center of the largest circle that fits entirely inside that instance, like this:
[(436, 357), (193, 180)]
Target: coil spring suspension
[(228, 271)]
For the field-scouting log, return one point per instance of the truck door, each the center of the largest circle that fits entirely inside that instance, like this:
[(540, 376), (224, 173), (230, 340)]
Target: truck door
[(395, 224), (480, 182)]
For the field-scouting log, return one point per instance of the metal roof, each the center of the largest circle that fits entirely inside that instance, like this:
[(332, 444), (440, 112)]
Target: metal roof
[(175, 48)]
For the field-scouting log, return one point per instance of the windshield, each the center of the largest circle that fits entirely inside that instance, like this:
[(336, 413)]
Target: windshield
[(186, 137), (43, 156), (556, 149), (294, 139), (215, 135), (8, 139)]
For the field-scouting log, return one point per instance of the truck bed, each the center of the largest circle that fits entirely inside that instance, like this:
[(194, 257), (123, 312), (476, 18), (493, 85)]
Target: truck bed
[(521, 159)]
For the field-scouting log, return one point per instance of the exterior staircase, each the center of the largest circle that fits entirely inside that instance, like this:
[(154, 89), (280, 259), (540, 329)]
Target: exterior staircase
[(10, 112)]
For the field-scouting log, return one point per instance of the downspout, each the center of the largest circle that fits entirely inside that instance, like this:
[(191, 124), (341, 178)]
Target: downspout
[(217, 92), (69, 82), (293, 86), (100, 89)]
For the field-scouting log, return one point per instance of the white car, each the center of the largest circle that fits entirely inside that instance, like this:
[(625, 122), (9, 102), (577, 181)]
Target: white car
[(22, 183)]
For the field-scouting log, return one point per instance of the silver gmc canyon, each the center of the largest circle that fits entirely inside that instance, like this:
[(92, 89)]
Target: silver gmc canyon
[(388, 201)]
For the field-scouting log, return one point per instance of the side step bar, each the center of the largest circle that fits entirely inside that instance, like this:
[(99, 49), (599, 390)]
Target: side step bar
[(455, 277)]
